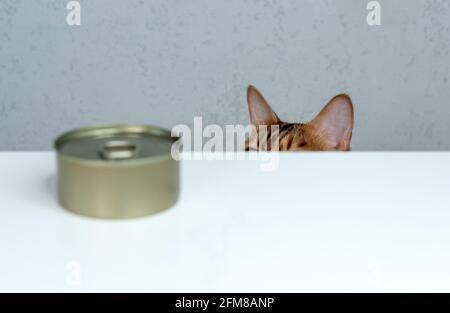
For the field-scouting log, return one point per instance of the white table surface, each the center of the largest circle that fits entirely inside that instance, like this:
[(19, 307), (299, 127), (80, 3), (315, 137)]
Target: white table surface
[(321, 222)]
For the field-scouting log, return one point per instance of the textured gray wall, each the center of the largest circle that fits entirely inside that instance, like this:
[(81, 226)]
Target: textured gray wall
[(165, 61)]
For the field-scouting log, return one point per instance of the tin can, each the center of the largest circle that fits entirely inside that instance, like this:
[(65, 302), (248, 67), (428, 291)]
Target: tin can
[(117, 171)]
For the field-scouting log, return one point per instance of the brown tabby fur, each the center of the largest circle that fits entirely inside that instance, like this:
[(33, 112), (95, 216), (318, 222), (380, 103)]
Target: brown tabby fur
[(330, 130)]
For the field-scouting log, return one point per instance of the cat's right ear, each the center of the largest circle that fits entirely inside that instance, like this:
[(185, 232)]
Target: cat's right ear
[(260, 111), (335, 123)]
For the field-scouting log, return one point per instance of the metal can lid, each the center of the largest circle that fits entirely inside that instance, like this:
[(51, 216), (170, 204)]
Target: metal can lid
[(116, 142)]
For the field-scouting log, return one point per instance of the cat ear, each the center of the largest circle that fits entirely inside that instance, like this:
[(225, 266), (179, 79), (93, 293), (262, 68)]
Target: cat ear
[(335, 122), (260, 111)]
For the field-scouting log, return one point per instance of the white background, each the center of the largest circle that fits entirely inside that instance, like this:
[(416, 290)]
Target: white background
[(321, 222)]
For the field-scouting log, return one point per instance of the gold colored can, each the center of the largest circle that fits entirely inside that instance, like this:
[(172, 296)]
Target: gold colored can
[(117, 171)]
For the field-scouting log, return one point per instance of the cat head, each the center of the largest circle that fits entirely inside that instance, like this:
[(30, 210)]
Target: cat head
[(330, 130)]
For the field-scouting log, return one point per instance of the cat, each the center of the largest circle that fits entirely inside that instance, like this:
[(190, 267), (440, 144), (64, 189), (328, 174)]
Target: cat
[(330, 130)]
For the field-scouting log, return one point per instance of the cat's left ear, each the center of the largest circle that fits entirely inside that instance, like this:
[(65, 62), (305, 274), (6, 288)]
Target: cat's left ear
[(335, 122), (260, 111)]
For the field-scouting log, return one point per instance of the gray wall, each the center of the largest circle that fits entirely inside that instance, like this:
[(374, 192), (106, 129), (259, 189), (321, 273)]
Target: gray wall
[(165, 61)]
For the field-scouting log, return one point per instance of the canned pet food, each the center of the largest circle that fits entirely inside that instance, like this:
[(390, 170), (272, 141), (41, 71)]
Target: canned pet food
[(117, 171)]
